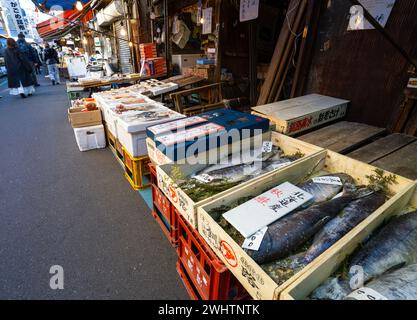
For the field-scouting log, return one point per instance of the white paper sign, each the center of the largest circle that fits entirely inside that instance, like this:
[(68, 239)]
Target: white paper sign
[(207, 20), (379, 9), (255, 240), (328, 180), (16, 15), (266, 208), (249, 10), (267, 146), (365, 294)]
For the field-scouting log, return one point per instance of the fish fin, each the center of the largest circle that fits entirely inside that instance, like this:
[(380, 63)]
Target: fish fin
[(320, 224), (396, 267)]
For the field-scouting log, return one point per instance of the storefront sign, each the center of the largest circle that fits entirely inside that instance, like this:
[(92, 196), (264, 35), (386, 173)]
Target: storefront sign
[(249, 10), (17, 16)]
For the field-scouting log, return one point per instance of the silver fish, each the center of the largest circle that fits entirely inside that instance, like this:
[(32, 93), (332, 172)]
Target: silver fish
[(352, 215), (245, 171), (323, 192), (394, 246), (400, 284)]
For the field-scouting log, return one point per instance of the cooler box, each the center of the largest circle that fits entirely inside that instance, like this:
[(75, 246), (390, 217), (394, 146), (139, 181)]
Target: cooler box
[(188, 137), (302, 113), (89, 138), (131, 128)]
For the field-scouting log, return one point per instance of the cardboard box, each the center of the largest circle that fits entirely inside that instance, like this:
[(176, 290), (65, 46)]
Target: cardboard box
[(299, 114), (80, 119)]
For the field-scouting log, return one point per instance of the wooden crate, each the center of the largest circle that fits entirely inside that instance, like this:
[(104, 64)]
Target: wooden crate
[(187, 207), (329, 262), (136, 169), (255, 280)]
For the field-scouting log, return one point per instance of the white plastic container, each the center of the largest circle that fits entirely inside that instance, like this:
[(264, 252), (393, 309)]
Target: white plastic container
[(132, 133), (90, 138)]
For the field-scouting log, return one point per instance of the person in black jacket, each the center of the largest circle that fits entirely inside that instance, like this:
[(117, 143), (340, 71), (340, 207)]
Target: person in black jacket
[(51, 59), (19, 70), (30, 54)]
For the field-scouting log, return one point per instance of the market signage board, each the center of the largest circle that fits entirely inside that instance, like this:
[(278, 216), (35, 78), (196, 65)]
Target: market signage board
[(379, 9), (207, 20), (17, 16), (249, 10), (255, 214), (412, 83)]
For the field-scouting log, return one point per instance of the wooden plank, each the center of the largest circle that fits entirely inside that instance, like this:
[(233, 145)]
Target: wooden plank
[(402, 162), (382, 147), (343, 136)]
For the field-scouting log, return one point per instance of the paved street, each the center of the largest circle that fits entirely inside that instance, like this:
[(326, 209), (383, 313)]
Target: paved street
[(59, 206)]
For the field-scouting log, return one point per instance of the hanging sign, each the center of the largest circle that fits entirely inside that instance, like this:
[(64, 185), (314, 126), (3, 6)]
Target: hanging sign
[(249, 10), (379, 9), (17, 16), (207, 20)]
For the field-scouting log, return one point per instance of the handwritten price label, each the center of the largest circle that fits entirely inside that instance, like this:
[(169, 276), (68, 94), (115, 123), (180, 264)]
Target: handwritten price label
[(328, 180), (254, 241), (367, 294), (267, 146)]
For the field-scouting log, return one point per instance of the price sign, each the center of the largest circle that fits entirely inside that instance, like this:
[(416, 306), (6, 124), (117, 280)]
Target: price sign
[(255, 240), (328, 180), (262, 210), (267, 146), (365, 294)]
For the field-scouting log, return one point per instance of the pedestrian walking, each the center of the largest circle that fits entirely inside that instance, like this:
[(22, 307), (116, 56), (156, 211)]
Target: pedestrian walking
[(19, 70), (52, 60), (30, 54)]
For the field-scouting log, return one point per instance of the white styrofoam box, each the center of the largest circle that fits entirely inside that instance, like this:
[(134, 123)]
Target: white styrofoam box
[(134, 143), (138, 121), (89, 138), (166, 87), (131, 131), (299, 114), (185, 60)]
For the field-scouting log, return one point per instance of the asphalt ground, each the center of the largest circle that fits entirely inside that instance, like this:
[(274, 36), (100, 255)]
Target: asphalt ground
[(60, 206)]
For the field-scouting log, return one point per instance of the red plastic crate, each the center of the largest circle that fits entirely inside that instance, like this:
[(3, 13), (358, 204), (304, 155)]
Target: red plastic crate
[(152, 169), (170, 232), (163, 204), (207, 272), (191, 289)]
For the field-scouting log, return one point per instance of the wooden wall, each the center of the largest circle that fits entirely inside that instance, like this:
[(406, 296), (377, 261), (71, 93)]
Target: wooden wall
[(361, 65)]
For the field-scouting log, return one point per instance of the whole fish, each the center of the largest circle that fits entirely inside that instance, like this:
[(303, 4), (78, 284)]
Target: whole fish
[(394, 246), (352, 215), (292, 231), (322, 191), (245, 171), (400, 284)]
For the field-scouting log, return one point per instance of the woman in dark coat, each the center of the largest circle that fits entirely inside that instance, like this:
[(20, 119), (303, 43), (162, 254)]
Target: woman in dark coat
[(19, 71)]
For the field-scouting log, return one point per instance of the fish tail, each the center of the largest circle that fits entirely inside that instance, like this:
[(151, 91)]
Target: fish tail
[(332, 289)]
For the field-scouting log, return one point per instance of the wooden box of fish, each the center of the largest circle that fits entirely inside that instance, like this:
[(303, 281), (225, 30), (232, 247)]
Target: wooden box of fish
[(376, 261), (299, 114), (344, 192), (190, 186)]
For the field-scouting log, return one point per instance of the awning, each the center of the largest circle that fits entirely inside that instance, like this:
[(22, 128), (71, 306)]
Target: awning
[(62, 24), (65, 4)]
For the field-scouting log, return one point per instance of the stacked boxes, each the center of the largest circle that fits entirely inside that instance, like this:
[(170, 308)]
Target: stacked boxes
[(147, 50)]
